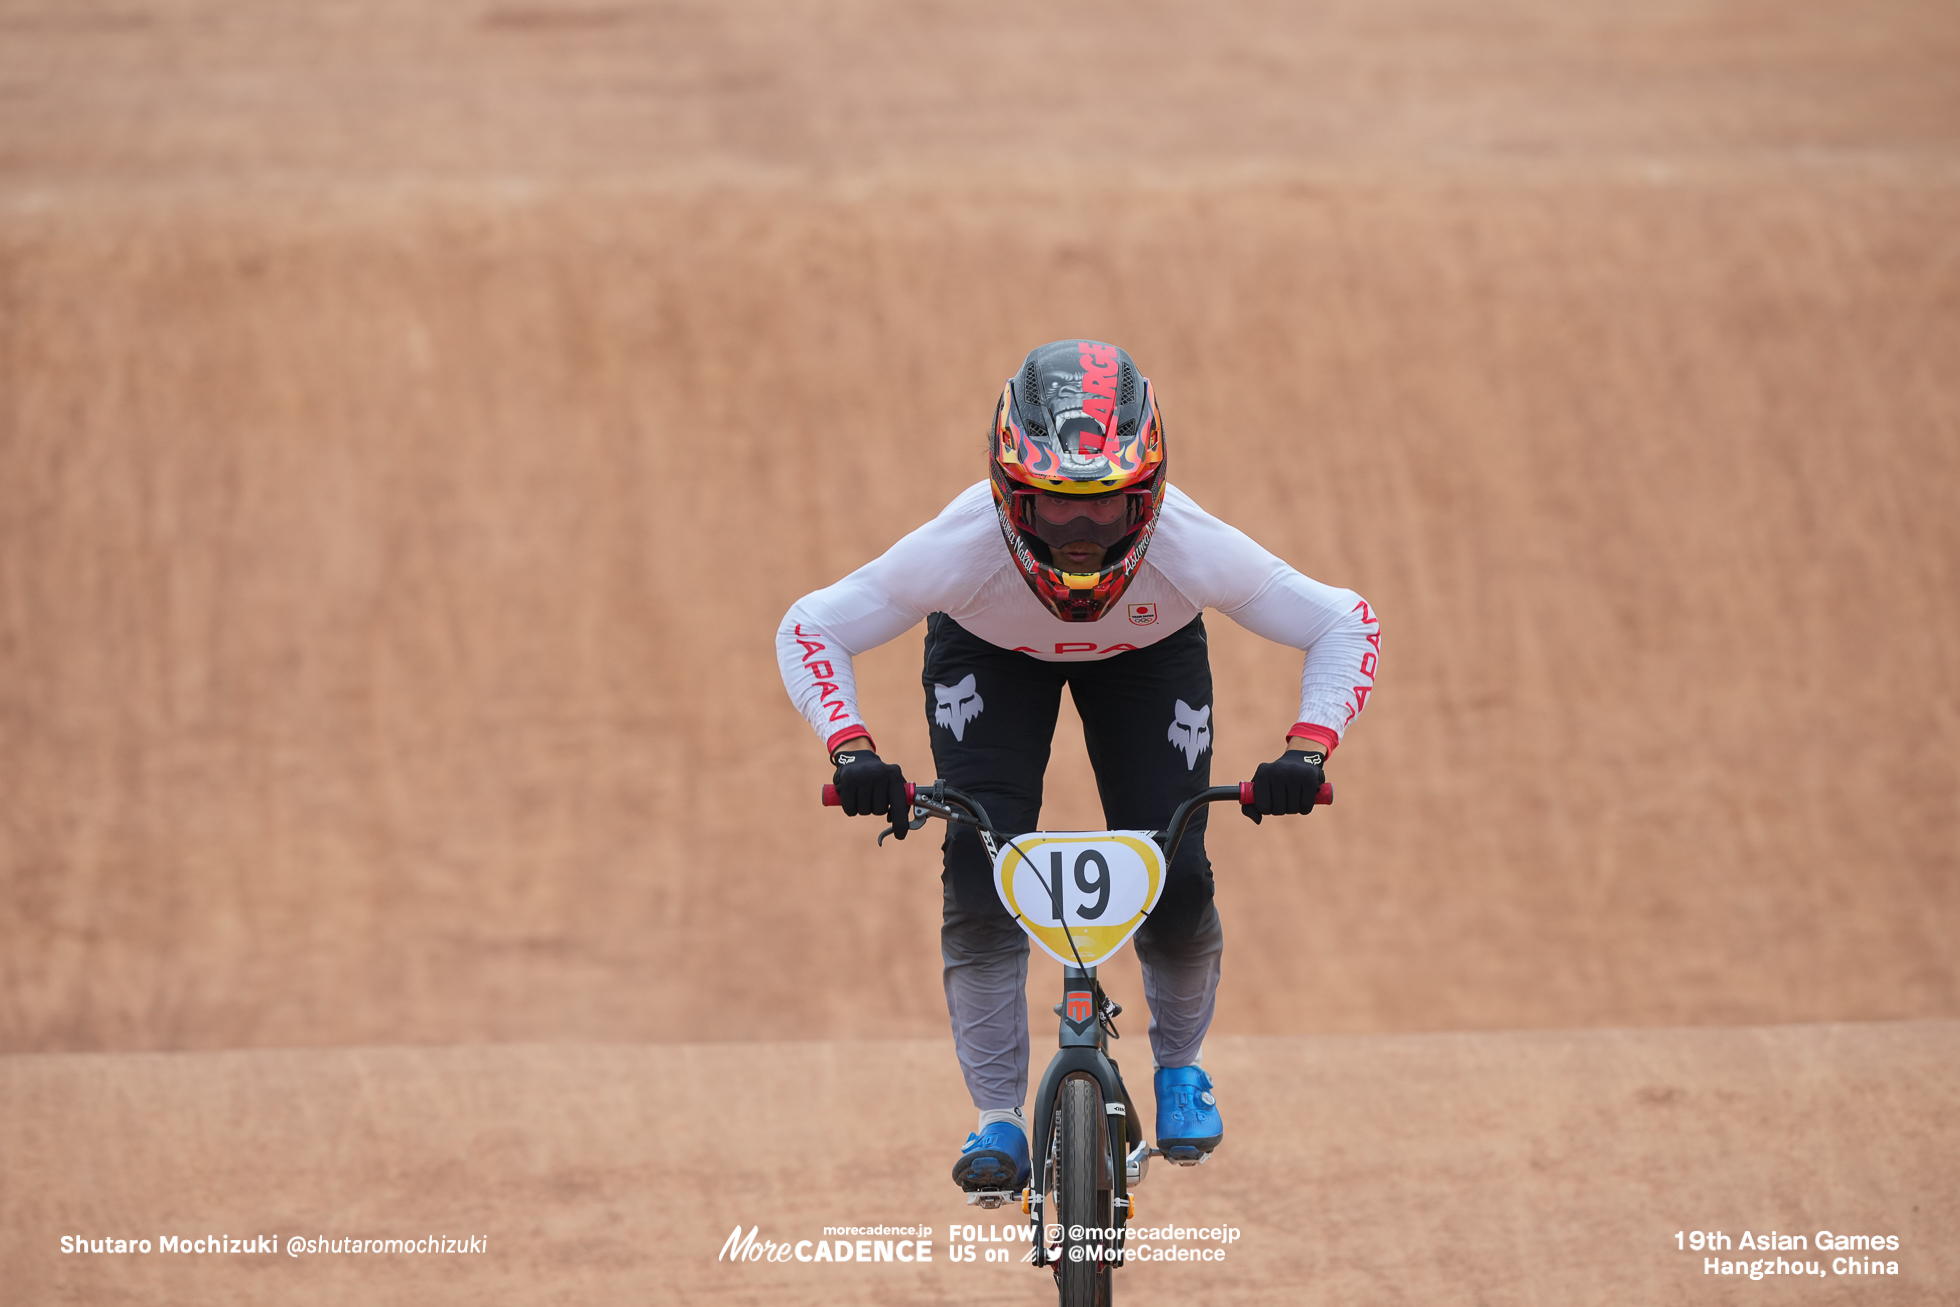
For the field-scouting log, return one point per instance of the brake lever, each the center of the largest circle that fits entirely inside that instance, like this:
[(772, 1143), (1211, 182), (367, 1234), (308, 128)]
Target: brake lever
[(919, 818)]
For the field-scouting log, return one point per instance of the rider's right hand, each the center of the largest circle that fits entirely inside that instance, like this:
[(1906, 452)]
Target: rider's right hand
[(869, 786)]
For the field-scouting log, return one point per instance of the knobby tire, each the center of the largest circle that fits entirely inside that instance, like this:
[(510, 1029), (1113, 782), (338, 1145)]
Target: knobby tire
[(1080, 1201)]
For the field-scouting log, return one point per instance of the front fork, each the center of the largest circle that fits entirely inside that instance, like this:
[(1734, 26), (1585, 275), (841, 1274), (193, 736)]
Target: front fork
[(1088, 1019)]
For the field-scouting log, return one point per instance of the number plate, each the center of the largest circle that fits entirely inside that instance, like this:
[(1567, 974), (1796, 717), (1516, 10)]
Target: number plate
[(1092, 888)]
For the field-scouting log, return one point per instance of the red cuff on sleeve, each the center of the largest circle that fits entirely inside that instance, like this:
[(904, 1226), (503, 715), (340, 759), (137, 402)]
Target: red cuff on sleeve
[(1321, 735), (849, 733)]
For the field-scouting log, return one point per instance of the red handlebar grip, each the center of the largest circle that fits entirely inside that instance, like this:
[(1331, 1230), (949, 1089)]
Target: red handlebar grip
[(830, 799), (1325, 796)]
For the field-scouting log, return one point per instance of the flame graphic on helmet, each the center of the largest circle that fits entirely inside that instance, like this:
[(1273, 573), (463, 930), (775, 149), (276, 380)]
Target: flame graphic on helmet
[(1040, 459), (1129, 457)]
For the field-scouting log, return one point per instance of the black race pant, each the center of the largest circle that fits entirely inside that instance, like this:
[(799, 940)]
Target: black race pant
[(1146, 717)]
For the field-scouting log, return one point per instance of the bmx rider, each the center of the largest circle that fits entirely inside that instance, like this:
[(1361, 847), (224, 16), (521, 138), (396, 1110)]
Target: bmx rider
[(1035, 579)]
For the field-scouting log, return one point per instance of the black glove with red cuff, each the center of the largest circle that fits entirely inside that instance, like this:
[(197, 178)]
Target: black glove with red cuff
[(867, 786), (1290, 783)]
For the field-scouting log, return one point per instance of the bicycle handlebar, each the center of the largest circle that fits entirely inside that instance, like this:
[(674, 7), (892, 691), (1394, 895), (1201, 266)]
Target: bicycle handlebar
[(939, 795), (1326, 796), (830, 799)]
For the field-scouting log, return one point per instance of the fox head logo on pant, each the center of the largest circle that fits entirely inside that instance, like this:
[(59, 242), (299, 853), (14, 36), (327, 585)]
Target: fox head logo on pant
[(956, 705), (1191, 731)]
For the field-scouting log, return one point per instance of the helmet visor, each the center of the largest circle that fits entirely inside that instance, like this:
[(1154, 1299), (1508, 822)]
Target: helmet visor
[(1066, 519)]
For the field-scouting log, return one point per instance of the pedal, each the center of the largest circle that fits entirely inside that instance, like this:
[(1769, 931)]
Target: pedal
[(989, 1198), (1137, 1163), (1182, 1156)]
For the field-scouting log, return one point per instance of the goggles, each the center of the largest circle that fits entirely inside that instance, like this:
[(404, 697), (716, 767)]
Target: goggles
[(1066, 519)]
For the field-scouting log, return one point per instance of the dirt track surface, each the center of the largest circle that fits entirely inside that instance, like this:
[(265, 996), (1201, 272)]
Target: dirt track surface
[(206, 93), (390, 551), (415, 418), (1504, 1168)]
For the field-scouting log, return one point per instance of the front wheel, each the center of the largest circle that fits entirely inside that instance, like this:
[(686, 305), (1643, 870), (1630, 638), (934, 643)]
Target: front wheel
[(1083, 1194)]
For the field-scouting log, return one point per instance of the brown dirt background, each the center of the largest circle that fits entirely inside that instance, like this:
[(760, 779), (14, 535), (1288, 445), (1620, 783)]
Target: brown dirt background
[(414, 418)]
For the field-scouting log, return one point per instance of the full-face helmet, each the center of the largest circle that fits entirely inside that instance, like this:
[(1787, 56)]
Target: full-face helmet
[(1077, 453)]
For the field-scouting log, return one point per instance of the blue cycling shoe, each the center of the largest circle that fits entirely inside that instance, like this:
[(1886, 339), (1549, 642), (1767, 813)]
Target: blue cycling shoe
[(996, 1159), (1188, 1124)]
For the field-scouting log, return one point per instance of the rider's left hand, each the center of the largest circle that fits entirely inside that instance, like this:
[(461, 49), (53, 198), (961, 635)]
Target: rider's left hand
[(1290, 783)]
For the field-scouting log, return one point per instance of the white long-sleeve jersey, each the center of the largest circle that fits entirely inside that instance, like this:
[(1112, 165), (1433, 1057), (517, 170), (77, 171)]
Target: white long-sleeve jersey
[(958, 564)]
